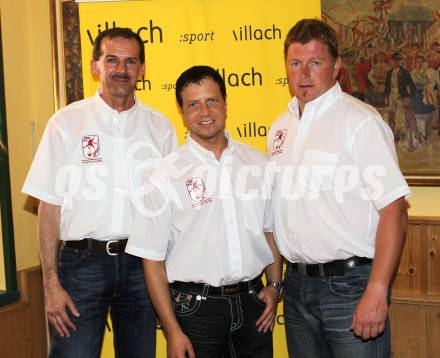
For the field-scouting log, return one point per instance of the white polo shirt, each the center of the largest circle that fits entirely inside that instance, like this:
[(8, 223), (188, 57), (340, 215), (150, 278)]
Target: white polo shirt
[(334, 169), (205, 217), (88, 163)]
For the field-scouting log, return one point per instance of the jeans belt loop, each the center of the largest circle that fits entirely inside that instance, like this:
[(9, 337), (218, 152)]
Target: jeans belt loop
[(89, 246), (250, 288), (321, 270), (205, 291), (302, 268)]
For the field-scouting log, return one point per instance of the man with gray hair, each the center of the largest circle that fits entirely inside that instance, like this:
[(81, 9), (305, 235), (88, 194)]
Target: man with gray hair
[(84, 174)]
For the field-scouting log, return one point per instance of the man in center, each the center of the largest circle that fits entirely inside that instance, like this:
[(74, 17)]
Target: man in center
[(205, 237)]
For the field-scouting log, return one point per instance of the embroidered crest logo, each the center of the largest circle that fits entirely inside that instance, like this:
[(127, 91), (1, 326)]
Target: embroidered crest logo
[(91, 149), (278, 141), (197, 191)]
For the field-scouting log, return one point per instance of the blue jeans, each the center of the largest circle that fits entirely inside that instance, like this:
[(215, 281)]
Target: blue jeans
[(96, 285), (318, 313), (222, 326)]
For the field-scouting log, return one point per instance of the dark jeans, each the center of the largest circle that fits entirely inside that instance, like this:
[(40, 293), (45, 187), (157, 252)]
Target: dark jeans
[(318, 314), (223, 326), (96, 285)]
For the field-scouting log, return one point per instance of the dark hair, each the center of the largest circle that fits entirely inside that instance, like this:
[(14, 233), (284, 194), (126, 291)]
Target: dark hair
[(307, 30), (125, 33), (195, 75), (396, 56)]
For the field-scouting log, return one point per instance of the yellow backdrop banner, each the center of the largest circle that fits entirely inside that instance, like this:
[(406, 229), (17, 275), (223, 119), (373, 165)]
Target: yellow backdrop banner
[(242, 39)]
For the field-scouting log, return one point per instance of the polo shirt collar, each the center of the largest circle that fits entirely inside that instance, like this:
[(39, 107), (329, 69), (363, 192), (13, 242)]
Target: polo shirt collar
[(109, 112), (205, 154), (318, 105)]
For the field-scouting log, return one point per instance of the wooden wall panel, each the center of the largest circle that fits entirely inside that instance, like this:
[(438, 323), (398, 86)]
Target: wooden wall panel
[(409, 277), (418, 274), (433, 332), (415, 303), (433, 256), (22, 324), (408, 328)]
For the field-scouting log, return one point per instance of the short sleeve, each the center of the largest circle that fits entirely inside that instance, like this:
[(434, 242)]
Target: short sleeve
[(375, 156), (41, 181), (151, 230)]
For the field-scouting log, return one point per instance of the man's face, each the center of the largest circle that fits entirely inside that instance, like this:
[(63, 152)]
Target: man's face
[(311, 70), (395, 63), (369, 52), (119, 67), (433, 59), (204, 111)]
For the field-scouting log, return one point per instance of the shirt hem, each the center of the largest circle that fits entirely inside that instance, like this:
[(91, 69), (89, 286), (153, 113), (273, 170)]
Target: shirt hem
[(132, 250), (403, 191), (38, 194)]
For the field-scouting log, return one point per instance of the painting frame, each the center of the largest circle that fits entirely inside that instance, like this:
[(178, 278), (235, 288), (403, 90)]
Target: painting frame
[(66, 52)]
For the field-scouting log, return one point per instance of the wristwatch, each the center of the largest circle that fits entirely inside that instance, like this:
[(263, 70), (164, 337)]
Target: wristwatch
[(274, 284), (277, 285)]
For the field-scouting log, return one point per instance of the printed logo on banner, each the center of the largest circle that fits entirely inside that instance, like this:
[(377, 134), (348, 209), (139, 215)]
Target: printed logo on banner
[(91, 149), (197, 191), (278, 142)]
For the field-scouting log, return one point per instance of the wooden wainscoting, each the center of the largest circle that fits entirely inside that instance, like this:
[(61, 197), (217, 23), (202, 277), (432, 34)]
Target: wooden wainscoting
[(22, 324), (415, 303)]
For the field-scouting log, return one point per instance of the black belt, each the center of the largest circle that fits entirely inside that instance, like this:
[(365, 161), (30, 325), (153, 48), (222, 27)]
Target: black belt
[(333, 268), (227, 290), (97, 247)]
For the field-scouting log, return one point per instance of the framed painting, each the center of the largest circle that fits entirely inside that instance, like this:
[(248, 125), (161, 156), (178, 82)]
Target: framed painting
[(66, 52), (391, 54)]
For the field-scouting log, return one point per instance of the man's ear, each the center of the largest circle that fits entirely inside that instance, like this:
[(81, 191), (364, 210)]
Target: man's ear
[(337, 67), (95, 69)]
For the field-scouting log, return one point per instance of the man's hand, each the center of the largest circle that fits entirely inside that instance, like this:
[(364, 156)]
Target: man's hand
[(179, 346), (266, 321), (370, 314), (57, 299)]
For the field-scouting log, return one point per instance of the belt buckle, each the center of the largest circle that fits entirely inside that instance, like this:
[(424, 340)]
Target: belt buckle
[(107, 248), (230, 290)]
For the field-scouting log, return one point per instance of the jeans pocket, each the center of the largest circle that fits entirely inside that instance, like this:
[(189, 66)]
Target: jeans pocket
[(351, 286), (257, 300), (185, 304), (70, 257)]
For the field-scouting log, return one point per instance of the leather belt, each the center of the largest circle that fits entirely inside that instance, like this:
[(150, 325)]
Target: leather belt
[(332, 268), (227, 290), (97, 247)]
